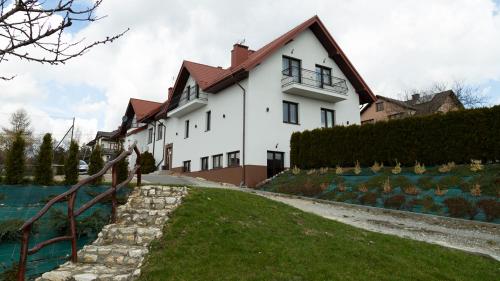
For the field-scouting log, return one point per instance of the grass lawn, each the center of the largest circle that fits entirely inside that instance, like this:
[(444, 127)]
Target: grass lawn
[(228, 235)]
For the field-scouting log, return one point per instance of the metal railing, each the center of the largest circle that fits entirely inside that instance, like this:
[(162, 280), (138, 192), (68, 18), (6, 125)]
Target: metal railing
[(313, 79), (193, 94), (70, 196)]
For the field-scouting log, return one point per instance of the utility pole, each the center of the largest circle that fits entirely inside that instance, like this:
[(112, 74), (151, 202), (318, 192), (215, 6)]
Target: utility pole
[(72, 129)]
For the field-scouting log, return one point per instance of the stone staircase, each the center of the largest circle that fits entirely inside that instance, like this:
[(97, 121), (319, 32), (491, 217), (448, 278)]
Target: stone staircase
[(118, 252)]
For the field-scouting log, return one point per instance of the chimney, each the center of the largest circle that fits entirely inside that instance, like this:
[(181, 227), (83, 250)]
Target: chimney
[(415, 97), (239, 54)]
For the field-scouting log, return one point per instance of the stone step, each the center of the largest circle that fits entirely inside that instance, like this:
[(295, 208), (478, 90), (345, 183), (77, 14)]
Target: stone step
[(127, 215), (91, 272), (127, 235), (156, 203), (161, 191), (112, 255)]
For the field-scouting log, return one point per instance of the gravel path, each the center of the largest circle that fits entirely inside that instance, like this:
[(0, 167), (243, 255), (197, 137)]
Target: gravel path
[(475, 237)]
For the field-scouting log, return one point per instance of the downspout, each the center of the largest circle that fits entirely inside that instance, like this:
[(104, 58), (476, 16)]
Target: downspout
[(154, 138), (164, 136), (244, 178)]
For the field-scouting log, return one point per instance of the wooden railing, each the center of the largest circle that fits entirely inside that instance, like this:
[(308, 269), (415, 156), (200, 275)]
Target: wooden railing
[(70, 195)]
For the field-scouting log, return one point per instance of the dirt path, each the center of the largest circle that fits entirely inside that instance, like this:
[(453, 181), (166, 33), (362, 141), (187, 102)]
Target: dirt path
[(475, 237)]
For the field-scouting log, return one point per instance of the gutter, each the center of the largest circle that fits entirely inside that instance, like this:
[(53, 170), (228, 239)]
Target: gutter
[(164, 137), (243, 180)]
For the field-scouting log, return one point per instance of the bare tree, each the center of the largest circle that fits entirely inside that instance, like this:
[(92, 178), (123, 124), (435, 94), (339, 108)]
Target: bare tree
[(34, 30)]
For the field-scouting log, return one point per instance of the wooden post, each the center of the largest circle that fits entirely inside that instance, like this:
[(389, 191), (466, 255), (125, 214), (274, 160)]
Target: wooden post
[(138, 163), (114, 179), (72, 226), (23, 254)]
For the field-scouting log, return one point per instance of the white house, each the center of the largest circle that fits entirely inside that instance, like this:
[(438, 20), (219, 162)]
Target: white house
[(234, 124)]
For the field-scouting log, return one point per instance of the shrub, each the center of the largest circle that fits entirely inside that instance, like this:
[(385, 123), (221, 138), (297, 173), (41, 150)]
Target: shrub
[(429, 142), (411, 190), (87, 226), (476, 166), (71, 164), (9, 230), (96, 163), (339, 170), (475, 190), (43, 171), (439, 191), (14, 162), (419, 168), (147, 163), (395, 202), (357, 168), (425, 182), (428, 204), (387, 186), (345, 196), (369, 198), (9, 273), (121, 168), (362, 188), (376, 167), (375, 182), (295, 170), (459, 207), (397, 169), (491, 208), (323, 171), (311, 172)]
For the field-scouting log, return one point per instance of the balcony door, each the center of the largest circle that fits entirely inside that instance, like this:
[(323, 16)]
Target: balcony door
[(292, 68), (275, 163)]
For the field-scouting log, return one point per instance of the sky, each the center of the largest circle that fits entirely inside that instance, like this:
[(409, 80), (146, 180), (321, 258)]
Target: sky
[(395, 45)]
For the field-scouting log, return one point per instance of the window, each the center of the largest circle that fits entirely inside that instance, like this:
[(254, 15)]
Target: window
[(217, 161), (290, 112), (186, 166), (159, 133), (323, 76), (291, 67), (380, 106), (204, 163), (188, 92), (233, 159), (186, 129), (209, 117), (150, 135), (327, 118)]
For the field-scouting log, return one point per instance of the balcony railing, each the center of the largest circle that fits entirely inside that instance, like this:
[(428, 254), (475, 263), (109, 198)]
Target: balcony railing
[(192, 94), (189, 102), (313, 79)]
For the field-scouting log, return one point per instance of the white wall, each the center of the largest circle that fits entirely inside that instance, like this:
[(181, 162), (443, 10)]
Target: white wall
[(266, 130), (142, 140)]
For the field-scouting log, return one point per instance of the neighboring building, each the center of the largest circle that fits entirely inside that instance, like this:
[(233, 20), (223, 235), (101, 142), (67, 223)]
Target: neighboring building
[(387, 108), (234, 124), (108, 142)]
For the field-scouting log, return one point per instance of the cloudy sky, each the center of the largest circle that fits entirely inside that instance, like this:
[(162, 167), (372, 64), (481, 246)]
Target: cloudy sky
[(394, 44)]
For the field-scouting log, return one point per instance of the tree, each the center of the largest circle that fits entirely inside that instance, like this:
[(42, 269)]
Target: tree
[(35, 30), (71, 164), (20, 123), (14, 164), (43, 170), (121, 168), (96, 163), (147, 163)]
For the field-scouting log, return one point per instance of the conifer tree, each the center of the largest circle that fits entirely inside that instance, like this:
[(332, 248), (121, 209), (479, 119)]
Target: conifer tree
[(43, 170), (121, 168), (14, 164), (96, 163), (71, 164)]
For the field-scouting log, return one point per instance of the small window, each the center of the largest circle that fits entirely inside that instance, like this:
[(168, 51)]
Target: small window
[(186, 166), (150, 135), (204, 163), (188, 92), (186, 129), (233, 159), (217, 161), (290, 112), (208, 121), (292, 67), (327, 118), (380, 106), (159, 133)]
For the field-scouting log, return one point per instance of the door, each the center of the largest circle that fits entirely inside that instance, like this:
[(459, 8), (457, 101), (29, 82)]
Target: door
[(168, 157), (275, 163)]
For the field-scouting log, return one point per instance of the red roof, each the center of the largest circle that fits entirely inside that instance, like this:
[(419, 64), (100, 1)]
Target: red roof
[(213, 79), (143, 107)]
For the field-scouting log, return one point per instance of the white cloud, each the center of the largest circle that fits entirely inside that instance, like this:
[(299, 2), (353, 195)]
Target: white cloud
[(394, 44)]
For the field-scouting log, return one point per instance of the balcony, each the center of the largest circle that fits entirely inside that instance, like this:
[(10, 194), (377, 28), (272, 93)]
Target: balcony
[(315, 85), (189, 102)]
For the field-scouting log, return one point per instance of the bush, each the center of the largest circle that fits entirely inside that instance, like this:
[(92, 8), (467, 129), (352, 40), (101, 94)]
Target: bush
[(121, 168), (395, 202), (459, 207), (89, 225), (9, 230), (369, 198), (96, 163), (9, 273), (43, 170), (71, 164), (306, 189), (491, 208), (345, 196), (147, 163), (429, 205), (433, 139), (14, 163)]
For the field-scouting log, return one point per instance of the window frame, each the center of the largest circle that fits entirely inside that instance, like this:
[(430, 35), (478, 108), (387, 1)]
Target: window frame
[(150, 135), (381, 104), (229, 156), (188, 169), (208, 120), (322, 68), (186, 129), (217, 156), (202, 159), (288, 104), (289, 71), (159, 130), (324, 114)]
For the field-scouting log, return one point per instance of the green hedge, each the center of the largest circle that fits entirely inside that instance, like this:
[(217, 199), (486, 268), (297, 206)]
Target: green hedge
[(436, 139)]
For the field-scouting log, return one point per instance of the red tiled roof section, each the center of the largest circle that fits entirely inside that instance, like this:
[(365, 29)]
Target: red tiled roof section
[(204, 74), (143, 107)]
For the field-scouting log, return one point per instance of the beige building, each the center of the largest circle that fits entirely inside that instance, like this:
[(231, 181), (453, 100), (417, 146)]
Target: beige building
[(387, 108)]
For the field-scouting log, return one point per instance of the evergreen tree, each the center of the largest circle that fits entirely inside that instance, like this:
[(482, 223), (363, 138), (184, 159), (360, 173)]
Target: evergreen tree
[(71, 164), (147, 163), (14, 164), (121, 168), (43, 170), (96, 163)]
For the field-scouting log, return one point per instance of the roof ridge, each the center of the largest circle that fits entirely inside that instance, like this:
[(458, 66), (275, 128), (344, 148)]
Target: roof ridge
[(145, 100)]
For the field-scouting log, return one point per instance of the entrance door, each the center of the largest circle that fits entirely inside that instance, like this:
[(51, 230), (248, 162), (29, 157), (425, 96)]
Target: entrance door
[(168, 157), (275, 163)]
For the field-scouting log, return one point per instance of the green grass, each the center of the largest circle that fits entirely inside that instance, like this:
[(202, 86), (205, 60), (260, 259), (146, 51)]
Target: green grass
[(228, 235)]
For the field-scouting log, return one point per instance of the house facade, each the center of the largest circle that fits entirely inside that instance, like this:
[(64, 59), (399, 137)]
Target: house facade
[(386, 108), (108, 143), (234, 124)]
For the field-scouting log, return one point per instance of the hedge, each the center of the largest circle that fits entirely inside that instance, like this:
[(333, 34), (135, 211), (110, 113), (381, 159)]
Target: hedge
[(457, 136)]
